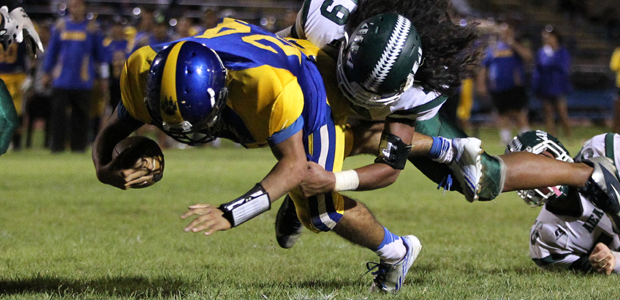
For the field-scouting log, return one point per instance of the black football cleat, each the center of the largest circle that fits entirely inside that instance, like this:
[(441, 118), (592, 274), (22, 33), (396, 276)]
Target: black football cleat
[(288, 226)]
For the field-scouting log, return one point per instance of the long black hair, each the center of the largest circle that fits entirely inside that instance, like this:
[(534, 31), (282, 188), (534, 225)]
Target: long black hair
[(448, 51)]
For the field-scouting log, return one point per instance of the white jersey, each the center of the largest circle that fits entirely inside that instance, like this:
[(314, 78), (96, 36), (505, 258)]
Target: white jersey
[(607, 144), (565, 242), (323, 21)]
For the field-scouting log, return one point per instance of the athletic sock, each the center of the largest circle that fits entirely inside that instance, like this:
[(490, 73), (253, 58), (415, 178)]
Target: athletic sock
[(392, 248), (441, 150), (524, 129)]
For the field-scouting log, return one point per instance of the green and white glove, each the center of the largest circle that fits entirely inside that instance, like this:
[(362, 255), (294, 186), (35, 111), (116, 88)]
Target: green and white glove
[(18, 27)]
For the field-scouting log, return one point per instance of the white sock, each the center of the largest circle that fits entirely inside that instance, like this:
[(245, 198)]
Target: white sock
[(393, 252), (524, 129)]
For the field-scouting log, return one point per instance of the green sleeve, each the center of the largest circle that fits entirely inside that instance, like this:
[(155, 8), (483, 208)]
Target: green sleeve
[(8, 118)]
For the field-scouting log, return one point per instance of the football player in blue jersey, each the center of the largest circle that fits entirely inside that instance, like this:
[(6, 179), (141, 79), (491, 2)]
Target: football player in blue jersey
[(239, 82), (15, 26)]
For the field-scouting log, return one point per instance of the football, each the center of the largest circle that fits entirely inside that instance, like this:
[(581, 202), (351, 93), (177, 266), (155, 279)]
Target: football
[(135, 148)]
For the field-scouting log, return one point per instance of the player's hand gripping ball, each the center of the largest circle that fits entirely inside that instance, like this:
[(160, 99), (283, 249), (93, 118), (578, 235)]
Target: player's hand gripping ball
[(140, 153)]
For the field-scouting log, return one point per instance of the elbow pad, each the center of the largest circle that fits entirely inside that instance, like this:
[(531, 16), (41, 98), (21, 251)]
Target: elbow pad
[(393, 151)]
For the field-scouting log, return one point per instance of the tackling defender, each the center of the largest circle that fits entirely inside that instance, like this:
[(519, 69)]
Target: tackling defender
[(239, 82), (446, 57), (570, 232), (15, 26)]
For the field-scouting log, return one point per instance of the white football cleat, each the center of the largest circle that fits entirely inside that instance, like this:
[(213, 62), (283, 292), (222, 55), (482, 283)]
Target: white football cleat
[(390, 277), (467, 166)]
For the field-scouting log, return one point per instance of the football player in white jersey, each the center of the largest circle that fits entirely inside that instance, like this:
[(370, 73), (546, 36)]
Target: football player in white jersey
[(571, 233), (446, 54)]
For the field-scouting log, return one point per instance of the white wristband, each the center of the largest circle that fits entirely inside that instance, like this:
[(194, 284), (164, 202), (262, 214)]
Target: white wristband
[(346, 181)]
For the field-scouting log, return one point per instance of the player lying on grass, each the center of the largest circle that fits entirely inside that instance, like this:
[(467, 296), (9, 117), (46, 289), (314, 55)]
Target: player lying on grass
[(15, 26), (239, 82), (570, 232), (447, 53)]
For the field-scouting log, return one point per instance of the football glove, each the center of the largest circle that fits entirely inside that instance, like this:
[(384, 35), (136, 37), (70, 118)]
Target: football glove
[(19, 28)]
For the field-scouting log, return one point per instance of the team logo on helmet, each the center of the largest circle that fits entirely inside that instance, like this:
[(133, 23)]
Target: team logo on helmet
[(169, 106)]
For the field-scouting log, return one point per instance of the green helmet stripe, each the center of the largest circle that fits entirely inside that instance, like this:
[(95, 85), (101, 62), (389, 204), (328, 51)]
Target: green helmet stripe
[(609, 146)]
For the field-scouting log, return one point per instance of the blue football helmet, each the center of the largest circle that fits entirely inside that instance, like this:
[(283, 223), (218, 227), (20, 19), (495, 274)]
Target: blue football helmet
[(186, 92)]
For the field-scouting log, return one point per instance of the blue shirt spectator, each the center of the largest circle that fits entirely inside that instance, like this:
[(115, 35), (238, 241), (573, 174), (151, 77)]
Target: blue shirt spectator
[(551, 75), (73, 51), (505, 67)]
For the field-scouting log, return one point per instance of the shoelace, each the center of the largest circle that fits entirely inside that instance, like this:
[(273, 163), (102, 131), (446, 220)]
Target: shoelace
[(446, 183), (381, 270)]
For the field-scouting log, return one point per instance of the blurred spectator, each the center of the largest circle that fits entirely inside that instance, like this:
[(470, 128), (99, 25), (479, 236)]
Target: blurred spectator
[(117, 50), (183, 28), (13, 68), (39, 99), (550, 80), (158, 35), (145, 26), (503, 78), (614, 65), (74, 48), (209, 19), (466, 102)]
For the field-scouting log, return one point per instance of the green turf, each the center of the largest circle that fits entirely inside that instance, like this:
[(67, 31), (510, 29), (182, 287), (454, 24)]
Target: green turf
[(65, 235)]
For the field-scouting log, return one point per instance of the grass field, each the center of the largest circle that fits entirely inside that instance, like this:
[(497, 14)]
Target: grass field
[(65, 235)]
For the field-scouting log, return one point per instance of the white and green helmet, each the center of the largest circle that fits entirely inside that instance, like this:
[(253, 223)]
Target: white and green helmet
[(538, 142), (378, 62)]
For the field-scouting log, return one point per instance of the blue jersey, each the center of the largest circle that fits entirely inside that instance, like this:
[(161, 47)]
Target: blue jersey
[(112, 46), (71, 55), (551, 76), (275, 90), (505, 68)]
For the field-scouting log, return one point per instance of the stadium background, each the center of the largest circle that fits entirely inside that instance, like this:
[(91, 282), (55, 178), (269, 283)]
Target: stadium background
[(64, 235), (591, 31)]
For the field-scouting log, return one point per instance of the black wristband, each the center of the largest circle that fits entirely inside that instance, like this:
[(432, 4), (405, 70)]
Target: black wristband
[(251, 204)]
